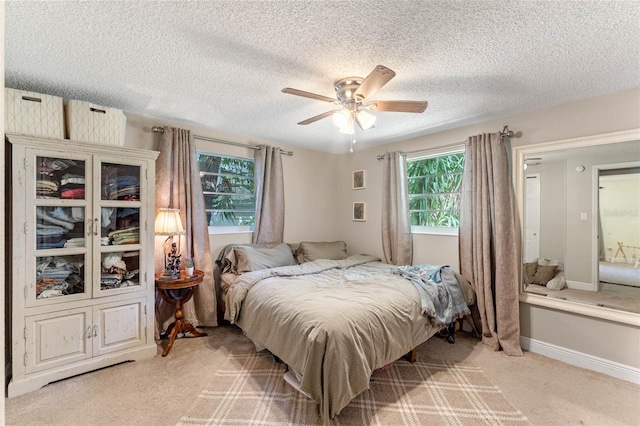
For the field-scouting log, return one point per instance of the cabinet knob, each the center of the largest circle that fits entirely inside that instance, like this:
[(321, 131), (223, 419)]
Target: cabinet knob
[(88, 332), (95, 226), (95, 331), (88, 226)]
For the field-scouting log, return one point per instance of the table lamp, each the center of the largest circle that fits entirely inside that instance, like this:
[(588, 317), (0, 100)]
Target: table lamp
[(168, 222)]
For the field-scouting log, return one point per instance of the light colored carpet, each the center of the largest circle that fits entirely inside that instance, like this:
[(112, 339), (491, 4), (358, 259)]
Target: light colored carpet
[(249, 389), (160, 391)]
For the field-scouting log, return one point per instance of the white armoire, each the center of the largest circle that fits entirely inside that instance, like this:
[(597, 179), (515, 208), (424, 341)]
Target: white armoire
[(82, 277)]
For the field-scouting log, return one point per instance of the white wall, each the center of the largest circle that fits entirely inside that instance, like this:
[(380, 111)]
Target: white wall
[(603, 114)]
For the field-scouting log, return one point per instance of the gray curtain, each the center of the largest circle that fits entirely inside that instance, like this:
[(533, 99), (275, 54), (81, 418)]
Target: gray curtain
[(397, 243), (178, 186), (488, 242), (269, 188)]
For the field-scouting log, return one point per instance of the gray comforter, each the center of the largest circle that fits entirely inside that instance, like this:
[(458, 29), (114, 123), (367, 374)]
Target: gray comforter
[(334, 321)]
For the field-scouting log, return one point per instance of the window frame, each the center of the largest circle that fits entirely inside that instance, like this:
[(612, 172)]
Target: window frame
[(221, 230), (432, 153)]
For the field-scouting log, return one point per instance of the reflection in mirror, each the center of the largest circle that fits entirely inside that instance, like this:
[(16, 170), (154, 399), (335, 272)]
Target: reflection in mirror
[(581, 224)]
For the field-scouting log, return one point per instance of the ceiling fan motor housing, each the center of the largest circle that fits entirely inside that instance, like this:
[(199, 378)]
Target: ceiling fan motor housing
[(345, 88)]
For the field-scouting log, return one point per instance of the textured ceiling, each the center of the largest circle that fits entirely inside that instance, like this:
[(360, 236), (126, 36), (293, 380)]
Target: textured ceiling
[(222, 64)]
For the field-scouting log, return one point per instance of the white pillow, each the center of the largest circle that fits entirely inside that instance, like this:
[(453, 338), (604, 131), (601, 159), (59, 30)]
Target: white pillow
[(558, 282)]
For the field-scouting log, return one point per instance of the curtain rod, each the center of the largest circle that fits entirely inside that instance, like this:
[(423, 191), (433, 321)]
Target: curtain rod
[(505, 133), (157, 129)]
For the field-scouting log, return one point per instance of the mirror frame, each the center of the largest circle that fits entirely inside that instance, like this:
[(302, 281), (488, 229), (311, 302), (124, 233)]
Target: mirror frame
[(519, 153)]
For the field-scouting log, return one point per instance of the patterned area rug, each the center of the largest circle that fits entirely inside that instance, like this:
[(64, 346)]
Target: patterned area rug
[(249, 389)]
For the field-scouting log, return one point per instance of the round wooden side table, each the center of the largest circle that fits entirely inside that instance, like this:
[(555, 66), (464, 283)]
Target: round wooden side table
[(178, 292)]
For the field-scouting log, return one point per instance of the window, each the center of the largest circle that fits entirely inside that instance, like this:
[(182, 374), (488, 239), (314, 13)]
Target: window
[(229, 197), (434, 192)]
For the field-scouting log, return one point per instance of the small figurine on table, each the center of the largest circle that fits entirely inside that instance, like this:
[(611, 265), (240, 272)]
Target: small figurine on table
[(172, 262)]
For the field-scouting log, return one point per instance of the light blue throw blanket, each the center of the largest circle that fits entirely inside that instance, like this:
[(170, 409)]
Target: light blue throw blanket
[(440, 293)]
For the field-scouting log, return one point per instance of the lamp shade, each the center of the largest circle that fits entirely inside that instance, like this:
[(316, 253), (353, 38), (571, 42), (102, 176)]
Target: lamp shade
[(168, 222)]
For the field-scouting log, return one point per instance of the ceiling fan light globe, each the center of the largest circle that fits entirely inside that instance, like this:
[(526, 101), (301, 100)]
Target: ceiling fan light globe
[(348, 129), (341, 118), (366, 119)]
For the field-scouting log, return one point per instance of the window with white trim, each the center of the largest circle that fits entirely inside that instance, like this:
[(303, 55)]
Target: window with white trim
[(229, 196), (434, 192)]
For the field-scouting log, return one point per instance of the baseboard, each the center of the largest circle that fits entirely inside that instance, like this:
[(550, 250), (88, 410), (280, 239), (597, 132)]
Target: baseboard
[(579, 359), (577, 285)]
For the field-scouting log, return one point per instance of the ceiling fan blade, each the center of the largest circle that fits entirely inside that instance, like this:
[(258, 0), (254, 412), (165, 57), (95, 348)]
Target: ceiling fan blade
[(374, 81), (308, 95), (318, 117), (398, 106)]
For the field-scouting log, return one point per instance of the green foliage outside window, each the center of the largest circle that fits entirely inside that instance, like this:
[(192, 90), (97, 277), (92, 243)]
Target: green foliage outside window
[(228, 187), (434, 190)]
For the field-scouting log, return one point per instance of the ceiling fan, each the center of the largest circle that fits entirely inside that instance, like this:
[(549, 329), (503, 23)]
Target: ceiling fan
[(352, 94)]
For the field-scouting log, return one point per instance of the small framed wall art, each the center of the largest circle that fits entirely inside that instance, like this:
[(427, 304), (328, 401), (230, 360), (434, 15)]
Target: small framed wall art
[(358, 179), (358, 212)]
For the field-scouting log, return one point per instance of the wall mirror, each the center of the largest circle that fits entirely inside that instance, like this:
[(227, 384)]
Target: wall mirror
[(579, 207)]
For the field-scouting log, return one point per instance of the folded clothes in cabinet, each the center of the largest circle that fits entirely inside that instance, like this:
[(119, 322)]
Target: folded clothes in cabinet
[(74, 242), (110, 280), (125, 236), (44, 245), (70, 178), (57, 164), (123, 188), (58, 225), (46, 187), (118, 262), (43, 216), (59, 275), (76, 193), (68, 214), (43, 230)]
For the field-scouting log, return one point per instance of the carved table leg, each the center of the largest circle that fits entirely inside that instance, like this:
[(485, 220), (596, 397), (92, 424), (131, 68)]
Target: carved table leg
[(176, 327), (179, 326), (188, 327)]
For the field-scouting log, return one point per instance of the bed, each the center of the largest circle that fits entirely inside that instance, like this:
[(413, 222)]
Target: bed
[(332, 318)]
